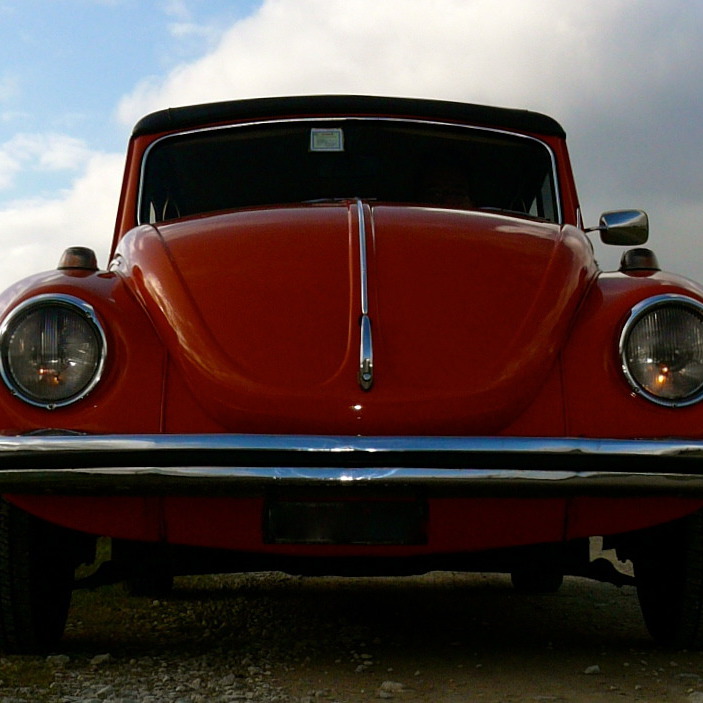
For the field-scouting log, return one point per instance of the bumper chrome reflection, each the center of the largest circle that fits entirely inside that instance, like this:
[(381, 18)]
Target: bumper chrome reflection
[(235, 464)]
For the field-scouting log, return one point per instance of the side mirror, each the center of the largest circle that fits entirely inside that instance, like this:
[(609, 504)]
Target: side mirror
[(623, 227)]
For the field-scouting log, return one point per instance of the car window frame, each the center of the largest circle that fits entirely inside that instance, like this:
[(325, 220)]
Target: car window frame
[(347, 118)]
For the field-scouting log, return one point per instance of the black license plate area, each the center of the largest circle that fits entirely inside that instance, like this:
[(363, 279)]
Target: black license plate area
[(383, 522)]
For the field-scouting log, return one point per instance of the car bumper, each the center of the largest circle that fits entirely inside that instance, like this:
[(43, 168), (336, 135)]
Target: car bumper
[(230, 464)]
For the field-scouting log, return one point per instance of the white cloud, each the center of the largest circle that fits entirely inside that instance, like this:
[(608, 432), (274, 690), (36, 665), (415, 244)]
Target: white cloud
[(8, 86), (8, 168), (189, 29), (183, 27), (41, 152), (177, 8), (35, 232), (479, 50), (52, 152)]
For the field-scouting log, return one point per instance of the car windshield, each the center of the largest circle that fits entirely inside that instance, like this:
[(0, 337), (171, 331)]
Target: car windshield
[(385, 160)]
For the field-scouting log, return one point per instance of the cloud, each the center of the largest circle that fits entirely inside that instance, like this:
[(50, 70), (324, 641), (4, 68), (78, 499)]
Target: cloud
[(8, 168), (52, 152), (36, 231), (183, 27), (177, 8), (40, 152), (189, 29), (8, 86), (481, 50)]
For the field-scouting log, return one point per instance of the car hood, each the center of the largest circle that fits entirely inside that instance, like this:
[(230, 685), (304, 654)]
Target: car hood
[(260, 312)]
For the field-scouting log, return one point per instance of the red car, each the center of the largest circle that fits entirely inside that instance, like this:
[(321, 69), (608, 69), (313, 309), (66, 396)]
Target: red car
[(351, 335)]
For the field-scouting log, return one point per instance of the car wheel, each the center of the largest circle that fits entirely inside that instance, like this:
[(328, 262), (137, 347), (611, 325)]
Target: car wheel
[(669, 577), (36, 580), (536, 580)]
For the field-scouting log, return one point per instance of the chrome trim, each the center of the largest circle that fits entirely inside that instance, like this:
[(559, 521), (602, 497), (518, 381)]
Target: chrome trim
[(366, 355), (62, 300), (450, 466), (363, 269), (437, 123), (365, 375), (636, 313)]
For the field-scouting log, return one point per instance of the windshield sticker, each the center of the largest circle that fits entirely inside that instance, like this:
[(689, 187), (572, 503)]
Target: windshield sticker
[(326, 139)]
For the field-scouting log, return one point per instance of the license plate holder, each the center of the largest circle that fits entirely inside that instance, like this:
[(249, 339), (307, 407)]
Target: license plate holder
[(368, 522)]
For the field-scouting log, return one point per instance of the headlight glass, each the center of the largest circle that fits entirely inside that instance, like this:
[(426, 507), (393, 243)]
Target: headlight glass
[(661, 349), (52, 350)]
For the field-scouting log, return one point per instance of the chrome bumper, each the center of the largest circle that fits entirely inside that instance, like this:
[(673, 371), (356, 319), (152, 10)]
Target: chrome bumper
[(441, 466)]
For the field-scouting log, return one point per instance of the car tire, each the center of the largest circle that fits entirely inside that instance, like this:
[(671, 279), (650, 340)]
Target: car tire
[(36, 580), (536, 580), (668, 568)]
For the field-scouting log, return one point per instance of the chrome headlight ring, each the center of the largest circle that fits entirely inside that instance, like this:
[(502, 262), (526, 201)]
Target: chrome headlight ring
[(661, 350), (52, 350)]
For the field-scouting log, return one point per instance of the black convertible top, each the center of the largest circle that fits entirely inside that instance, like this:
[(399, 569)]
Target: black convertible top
[(193, 116)]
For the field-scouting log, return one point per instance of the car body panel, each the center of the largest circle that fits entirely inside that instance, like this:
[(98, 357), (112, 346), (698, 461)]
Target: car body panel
[(234, 295)]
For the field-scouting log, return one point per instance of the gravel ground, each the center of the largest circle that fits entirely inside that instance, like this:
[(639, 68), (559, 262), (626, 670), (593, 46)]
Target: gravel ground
[(440, 638)]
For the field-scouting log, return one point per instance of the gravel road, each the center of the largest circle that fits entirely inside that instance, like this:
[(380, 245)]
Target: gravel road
[(441, 638)]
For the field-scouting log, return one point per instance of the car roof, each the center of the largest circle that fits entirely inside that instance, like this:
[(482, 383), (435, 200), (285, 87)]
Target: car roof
[(194, 116)]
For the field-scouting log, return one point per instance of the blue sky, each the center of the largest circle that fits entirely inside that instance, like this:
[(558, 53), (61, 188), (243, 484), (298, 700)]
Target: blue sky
[(624, 77), (65, 63)]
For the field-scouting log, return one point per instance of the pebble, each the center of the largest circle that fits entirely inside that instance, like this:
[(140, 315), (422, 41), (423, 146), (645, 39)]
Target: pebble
[(100, 659), (392, 686), (595, 669), (58, 661)]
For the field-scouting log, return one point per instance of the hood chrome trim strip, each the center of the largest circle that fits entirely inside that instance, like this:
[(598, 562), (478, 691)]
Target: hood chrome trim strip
[(365, 375), (363, 266)]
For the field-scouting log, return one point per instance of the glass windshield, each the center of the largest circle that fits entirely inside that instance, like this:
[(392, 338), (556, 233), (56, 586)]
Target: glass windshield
[(312, 160)]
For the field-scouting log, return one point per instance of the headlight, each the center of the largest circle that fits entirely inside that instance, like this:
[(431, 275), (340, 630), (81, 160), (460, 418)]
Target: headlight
[(52, 350), (661, 348)]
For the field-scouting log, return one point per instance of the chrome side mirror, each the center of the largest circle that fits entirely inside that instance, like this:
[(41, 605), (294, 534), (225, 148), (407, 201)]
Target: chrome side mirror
[(623, 227)]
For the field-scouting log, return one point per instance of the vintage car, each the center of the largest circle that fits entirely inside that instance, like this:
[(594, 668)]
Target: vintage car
[(352, 335)]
